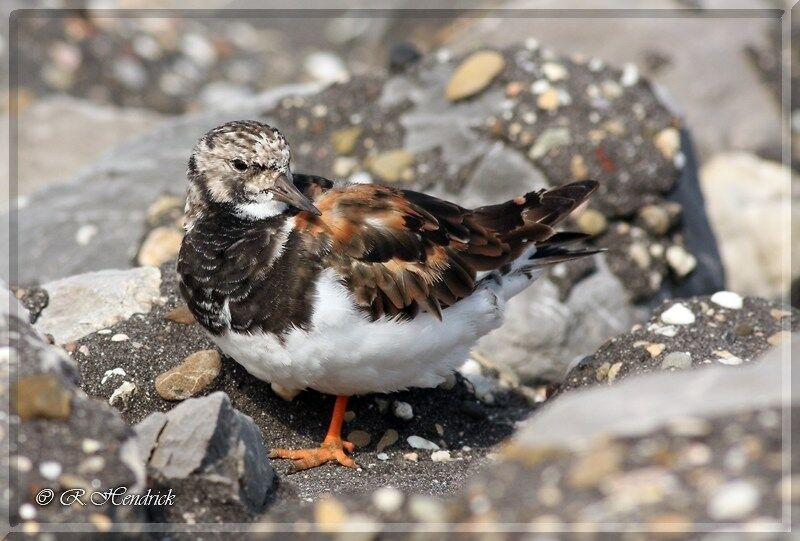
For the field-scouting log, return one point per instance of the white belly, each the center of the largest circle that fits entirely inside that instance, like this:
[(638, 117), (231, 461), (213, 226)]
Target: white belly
[(344, 353)]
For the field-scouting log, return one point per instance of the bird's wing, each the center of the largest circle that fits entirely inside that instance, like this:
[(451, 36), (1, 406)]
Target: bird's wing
[(399, 250)]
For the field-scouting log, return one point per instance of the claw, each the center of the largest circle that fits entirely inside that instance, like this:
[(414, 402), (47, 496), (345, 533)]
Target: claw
[(329, 451)]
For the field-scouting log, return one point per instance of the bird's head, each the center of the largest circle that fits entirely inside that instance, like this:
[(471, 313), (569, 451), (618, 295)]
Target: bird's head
[(244, 166)]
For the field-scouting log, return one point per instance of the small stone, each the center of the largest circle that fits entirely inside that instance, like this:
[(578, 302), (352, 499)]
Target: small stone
[(90, 446), (577, 167), (630, 75), (326, 67), (613, 372), (726, 357), (733, 501), (382, 456), (403, 410), (668, 141), (91, 465), (41, 396), (681, 261), (114, 372), (667, 330), (655, 349), (411, 457), (743, 330), (344, 140), (27, 511), (389, 165), (388, 439), (21, 463), (50, 469), (655, 219), (554, 72), (194, 374), (83, 350), (181, 315), (611, 89), (596, 465), (549, 100), (514, 89), (550, 139), (449, 382), (602, 371), (425, 509), (387, 499), (778, 337), (119, 337), (639, 254), (727, 299), (123, 394), (592, 222), (474, 74), (402, 55), (678, 314), (359, 438), (417, 442), (677, 359), (329, 511), (349, 416), (162, 244), (441, 456), (779, 314)]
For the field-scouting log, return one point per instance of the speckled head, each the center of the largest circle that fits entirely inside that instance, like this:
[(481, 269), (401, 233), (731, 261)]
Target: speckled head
[(243, 166)]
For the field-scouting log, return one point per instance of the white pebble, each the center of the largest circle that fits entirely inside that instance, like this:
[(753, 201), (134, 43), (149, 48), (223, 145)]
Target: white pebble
[(50, 469), (119, 337), (678, 314), (554, 72), (326, 68), (667, 330), (403, 410), (387, 499), (123, 393), (382, 456), (104, 331), (411, 457), (22, 463), (630, 75), (421, 443), (90, 446), (27, 511), (727, 299), (441, 456), (108, 374), (733, 501)]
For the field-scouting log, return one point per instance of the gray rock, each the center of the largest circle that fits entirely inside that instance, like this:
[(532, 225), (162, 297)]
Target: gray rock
[(88, 302), (206, 448)]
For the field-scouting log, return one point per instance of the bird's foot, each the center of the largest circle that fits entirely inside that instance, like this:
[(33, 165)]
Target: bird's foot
[(332, 449)]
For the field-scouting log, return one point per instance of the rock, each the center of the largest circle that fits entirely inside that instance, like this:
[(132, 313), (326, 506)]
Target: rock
[(677, 314), (122, 395), (441, 456), (389, 166), (181, 315), (41, 396), (119, 337), (417, 442), (402, 55), (655, 349), (208, 449), (161, 245), (592, 222), (359, 438), (680, 261), (89, 302), (549, 100), (388, 499), (733, 500), (677, 359), (326, 67), (474, 74), (192, 376), (668, 141), (549, 140), (749, 204), (656, 219), (388, 439), (402, 410), (344, 140), (727, 299)]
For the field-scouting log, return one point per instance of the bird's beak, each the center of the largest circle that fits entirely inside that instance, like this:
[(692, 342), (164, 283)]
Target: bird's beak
[(285, 190)]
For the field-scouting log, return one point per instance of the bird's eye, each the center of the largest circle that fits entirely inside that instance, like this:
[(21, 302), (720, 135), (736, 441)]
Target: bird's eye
[(239, 165)]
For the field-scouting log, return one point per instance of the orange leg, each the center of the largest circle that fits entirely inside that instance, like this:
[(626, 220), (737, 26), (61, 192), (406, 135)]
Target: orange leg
[(333, 447)]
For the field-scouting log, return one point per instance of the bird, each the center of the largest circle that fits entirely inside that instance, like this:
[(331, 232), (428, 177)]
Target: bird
[(351, 288)]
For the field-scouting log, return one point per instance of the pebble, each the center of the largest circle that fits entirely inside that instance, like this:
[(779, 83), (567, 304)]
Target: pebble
[(195, 373), (402, 410), (108, 374), (417, 442), (655, 349), (630, 75), (411, 457), (690, 427), (733, 500), (389, 165), (425, 509), (554, 72), (50, 469), (329, 510), (27, 511), (611, 89), (613, 371), (668, 142), (678, 314), (726, 357), (119, 337), (90, 446), (344, 140), (21, 463), (162, 244), (639, 254), (382, 456), (549, 100), (93, 464), (727, 299), (778, 337), (123, 394), (387, 499), (655, 219), (681, 261), (596, 465), (668, 330), (388, 439), (592, 222), (474, 74), (402, 55), (42, 396), (359, 438), (514, 89), (104, 331), (181, 315), (550, 139), (326, 68), (441, 456), (779, 314), (83, 350), (677, 359), (349, 416)]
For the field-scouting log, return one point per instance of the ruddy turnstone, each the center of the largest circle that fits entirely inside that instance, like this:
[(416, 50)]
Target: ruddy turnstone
[(348, 288)]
